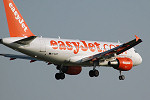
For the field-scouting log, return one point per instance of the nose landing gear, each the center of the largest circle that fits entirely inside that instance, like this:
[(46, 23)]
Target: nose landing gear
[(121, 77)]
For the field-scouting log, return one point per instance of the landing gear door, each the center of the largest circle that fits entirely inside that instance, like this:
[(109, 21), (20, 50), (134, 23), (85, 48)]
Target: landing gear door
[(42, 45)]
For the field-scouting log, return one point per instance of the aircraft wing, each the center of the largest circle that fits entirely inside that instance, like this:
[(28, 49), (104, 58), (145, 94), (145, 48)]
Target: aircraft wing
[(13, 57), (114, 51)]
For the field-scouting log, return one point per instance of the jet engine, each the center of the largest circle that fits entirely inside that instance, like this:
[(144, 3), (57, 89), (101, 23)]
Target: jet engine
[(122, 64), (73, 70)]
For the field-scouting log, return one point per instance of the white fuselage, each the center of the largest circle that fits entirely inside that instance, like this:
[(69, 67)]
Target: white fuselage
[(67, 52)]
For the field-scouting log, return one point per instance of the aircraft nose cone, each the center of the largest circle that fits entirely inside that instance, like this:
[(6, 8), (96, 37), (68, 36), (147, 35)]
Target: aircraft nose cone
[(139, 59)]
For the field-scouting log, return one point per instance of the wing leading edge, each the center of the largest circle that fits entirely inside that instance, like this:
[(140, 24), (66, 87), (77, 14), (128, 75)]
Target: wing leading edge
[(113, 52)]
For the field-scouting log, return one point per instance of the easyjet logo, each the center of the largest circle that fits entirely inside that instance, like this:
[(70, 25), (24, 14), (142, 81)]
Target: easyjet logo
[(124, 62), (81, 45), (17, 17)]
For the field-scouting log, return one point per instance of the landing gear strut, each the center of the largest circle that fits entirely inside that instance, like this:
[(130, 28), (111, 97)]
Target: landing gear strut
[(61, 74), (94, 72), (121, 77)]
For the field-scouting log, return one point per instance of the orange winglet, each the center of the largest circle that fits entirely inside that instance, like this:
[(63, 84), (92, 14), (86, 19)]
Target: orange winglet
[(137, 38)]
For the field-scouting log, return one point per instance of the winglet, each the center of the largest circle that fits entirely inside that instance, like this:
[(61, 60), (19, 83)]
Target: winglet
[(137, 38)]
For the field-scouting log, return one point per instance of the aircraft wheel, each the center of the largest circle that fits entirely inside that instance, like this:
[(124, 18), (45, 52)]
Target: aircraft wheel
[(96, 73), (62, 76), (121, 77), (59, 76), (91, 73)]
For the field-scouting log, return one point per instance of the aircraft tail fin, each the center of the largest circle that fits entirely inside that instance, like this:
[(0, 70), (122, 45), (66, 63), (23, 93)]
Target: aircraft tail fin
[(16, 24)]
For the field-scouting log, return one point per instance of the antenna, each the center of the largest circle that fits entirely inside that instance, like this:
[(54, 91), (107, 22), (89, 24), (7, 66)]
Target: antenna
[(58, 37)]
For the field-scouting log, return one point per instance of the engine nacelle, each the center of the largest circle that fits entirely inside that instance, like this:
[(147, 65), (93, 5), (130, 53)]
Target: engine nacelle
[(73, 70), (122, 64)]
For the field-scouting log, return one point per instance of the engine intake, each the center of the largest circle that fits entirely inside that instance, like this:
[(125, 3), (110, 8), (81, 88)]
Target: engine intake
[(1, 41)]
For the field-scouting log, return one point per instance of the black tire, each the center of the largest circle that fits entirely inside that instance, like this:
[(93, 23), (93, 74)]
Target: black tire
[(121, 77), (62, 76), (96, 73), (91, 73), (57, 76)]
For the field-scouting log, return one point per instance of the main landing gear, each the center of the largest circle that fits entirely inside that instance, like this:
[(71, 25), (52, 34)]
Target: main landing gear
[(61, 74), (121, 77), (94, 72)]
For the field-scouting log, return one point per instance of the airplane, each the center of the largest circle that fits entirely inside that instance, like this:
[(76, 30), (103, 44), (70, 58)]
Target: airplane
[(69, 56)]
